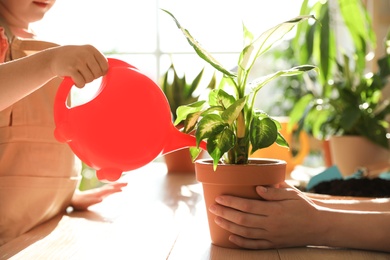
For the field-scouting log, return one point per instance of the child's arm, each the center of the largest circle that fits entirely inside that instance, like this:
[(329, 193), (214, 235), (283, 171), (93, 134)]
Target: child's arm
[(23, 76), (374, 204)]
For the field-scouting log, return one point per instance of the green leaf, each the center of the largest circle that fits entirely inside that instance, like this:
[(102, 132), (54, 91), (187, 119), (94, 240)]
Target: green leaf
[(220, 98), (265, 41), (195, 83), (358, 21), (190, 122), (213, 82), (183, 111), (319, 119), (258, 83), (377, 134), (325, 44), (212, 110), (280, 140), (208, 125), (349, 117), (232, 112), (315, 43), (194, 152), (263, 133), (299, 43), (199, 49), (248, 36), (228, 84), (219, 143), (178, 92)]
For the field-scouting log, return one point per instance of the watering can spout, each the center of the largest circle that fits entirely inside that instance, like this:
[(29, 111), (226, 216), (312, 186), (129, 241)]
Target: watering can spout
[(179, 140)]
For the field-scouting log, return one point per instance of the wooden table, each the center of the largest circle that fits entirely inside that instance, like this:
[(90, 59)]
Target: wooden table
[(157, 216)]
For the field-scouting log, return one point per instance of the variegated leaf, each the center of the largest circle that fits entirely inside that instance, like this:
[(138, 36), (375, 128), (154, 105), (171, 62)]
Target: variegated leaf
[(207, 125), (219, 143), (266, 40), (232, 112), (183, 111)]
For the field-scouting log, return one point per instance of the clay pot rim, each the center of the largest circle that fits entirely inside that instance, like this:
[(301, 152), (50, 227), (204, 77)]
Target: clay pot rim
[(252, 161), (266, 171)]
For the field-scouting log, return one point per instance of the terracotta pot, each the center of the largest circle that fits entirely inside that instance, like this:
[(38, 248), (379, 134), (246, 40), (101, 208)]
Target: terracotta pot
[(326, 153), (179, 162), (351, 152), (238, 180)]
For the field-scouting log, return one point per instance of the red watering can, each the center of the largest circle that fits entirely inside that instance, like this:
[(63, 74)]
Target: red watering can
[(126, 125)]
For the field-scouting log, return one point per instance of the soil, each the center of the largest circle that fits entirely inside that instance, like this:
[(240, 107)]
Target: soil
[(373, 188)]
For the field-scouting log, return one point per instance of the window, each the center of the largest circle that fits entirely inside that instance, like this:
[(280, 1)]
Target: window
[(141, 34)]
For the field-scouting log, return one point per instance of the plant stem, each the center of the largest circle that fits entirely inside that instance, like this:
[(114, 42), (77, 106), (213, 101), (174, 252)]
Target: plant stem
[(239, 153)]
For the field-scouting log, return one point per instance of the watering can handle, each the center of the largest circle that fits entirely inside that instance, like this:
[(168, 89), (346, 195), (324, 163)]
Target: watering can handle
[(60, 106)]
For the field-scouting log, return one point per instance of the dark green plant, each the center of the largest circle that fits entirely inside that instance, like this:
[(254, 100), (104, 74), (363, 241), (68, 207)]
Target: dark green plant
[(179, 91), (318, 43), (228, 120), (343, 99), (356, 106)]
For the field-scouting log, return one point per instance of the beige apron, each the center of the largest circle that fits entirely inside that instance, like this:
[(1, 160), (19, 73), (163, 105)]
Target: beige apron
[(38, 175)]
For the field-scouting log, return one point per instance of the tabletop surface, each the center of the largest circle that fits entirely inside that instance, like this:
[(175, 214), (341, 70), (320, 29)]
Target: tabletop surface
[(157, 216)]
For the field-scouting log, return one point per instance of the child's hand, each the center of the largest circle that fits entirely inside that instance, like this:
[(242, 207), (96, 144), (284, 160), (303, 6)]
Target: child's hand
[(81, 200), (285, 218), (82, 63)]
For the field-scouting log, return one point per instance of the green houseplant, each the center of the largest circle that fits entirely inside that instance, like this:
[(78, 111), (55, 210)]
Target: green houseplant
[(356, 107), (181, 91), (344, 99), (228, 121), (233, 127)]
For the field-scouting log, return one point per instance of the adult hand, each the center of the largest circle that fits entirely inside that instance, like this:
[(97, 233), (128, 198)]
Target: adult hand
[(82, 63), (82, 200), (285, 218)]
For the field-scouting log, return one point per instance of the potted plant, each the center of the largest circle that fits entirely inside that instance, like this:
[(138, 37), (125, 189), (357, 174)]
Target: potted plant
[(233, 127), (345, 102), (354, 117), (179, 91)]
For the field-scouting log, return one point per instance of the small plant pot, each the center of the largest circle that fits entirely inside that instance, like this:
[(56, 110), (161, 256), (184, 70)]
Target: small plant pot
[(351, 152), (179, 161), (237, 180)]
